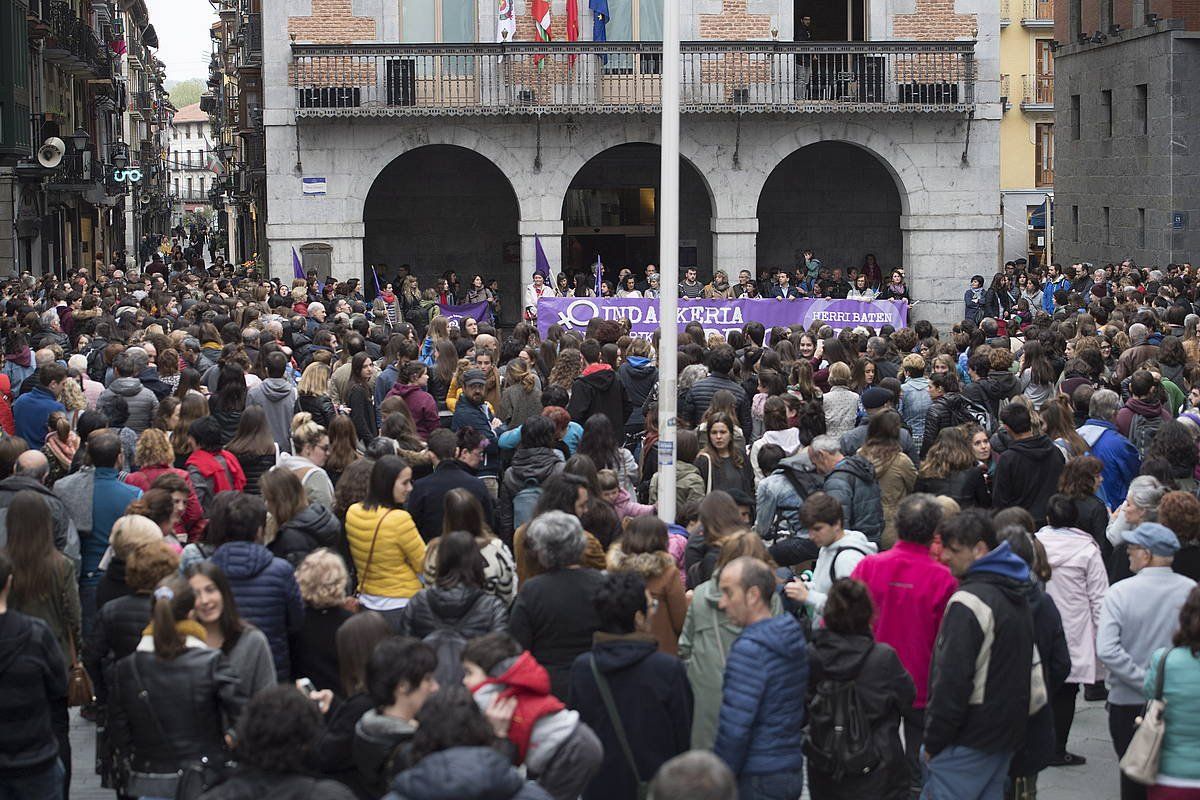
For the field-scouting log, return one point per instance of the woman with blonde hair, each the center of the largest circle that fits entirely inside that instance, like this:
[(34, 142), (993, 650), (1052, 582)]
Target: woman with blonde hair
[(296, 527), (74, 399), (840, 403), (153, 457), (310, 446), (521, 396), (312, 394), (322, 577), (61, 444), (951, 469), (129, 532)]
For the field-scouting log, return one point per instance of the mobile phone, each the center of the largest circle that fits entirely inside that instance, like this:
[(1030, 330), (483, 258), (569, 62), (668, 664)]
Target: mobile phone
[(307, 686)]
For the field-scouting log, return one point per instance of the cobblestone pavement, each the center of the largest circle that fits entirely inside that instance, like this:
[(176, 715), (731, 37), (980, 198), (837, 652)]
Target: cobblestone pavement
[(1096, 780)]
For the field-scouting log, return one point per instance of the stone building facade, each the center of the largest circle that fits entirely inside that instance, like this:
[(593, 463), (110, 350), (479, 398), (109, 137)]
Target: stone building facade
[(468, 154), (1127, 101)]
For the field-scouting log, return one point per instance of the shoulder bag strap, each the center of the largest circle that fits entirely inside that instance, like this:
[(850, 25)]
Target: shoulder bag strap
[(1162, 671), (833, 561), (144, 696), (362, 578), (614, 717)]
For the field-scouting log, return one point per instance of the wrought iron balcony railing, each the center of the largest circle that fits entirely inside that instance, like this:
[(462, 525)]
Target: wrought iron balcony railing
[(1039, 93), (250, 33), (625, 77)]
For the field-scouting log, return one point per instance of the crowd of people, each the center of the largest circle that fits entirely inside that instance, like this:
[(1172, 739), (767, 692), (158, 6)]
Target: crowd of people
[(808, 279), (279, 540)]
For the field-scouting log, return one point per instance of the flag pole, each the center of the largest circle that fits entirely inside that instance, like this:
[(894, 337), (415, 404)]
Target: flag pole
[(668, 259)]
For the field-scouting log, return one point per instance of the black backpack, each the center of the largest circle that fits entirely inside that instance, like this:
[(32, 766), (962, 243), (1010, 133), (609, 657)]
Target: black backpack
[(838, 740), (96, 368), (1142, 431)]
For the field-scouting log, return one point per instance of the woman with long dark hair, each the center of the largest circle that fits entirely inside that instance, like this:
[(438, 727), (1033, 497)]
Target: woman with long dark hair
[(388, 551), (254, 446), (722, 464), (463, 512), (360, 398), (224, 629), (343, 447), (600, 443), (295, 526), (44, 586), (457, 600), (159, 728), (1038, 375), (229, 402)]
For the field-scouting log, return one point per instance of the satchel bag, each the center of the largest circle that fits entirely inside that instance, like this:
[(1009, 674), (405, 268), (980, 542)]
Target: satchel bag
[(80, 691), (643, 788), (1140, 762)]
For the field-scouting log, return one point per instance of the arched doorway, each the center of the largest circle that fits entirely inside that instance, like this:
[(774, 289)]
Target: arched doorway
[(443, 207), (835, 199), (611, 211)]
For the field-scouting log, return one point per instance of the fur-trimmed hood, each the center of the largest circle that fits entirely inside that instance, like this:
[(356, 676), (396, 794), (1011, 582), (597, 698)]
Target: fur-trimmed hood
[(648, 565)]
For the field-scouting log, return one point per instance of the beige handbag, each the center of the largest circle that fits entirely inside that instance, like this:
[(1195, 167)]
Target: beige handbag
[(1140, 762)]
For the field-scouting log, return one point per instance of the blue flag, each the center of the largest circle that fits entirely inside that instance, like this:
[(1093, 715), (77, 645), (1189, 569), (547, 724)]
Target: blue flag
[(599, 20), (541, 264), (297, 270)]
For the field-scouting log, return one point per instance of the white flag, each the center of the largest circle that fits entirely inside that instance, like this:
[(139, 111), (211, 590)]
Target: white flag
[(506, 21)]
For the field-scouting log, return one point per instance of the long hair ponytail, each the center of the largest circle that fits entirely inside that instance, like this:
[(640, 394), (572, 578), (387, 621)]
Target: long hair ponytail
[(173, 601)]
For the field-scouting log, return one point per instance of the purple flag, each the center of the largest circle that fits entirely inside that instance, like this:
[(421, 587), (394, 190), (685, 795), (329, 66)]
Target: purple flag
[(599, 274), (480, 312), (297, 270), (378, 288), (541, 264), (720, 316)]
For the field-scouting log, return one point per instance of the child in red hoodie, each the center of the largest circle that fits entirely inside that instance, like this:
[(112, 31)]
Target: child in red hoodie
[(560, 751)]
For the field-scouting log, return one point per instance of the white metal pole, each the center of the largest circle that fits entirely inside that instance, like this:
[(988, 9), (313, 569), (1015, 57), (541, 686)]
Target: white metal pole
[(1049, 222), (668, 259)]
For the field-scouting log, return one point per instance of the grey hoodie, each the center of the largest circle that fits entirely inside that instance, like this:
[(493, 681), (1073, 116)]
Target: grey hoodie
[(277, 397)]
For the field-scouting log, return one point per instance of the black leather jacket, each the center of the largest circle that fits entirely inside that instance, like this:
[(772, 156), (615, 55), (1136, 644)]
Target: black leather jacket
[(118, 629), (188, 703)]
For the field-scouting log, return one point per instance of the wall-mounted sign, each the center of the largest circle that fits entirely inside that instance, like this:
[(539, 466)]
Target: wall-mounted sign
[(313, 187), (127, 175)]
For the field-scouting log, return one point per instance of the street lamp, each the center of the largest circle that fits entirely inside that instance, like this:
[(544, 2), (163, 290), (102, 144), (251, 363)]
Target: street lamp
[(79, 140), (226, 151), (120, 156)]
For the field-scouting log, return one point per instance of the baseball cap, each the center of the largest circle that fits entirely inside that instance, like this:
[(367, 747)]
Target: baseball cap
[(1158, 539)]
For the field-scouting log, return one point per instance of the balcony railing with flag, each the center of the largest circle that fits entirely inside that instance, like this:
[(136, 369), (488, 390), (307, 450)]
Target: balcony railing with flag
[(1039, 93), (625, 77)]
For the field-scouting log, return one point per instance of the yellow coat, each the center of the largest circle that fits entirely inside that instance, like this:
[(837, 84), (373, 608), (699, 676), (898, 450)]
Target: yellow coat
[(399, 551)]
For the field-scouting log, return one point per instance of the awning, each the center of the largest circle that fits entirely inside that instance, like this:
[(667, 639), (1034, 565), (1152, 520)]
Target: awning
[(1037, 219)]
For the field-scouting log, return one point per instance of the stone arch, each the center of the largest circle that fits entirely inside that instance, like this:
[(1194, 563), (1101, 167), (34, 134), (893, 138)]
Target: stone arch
[(440, 207), (626, 176), (833, 197)]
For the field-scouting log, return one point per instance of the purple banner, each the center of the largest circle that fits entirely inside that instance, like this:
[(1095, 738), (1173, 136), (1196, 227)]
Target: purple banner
[(456, 314), (720, 316)]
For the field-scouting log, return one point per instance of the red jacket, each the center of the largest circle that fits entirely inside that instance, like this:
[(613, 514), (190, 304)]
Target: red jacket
[(528, 681), (193, 523), (910, 590), (6, 415), (222, 480)]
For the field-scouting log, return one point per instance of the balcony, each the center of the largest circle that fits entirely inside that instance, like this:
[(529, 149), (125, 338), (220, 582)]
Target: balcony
[(1005, 81), (1005, 13), (1038, 14), (72, 44), (76, 172), (250, 37), (192, 196), (625, 77), (1039, 93)]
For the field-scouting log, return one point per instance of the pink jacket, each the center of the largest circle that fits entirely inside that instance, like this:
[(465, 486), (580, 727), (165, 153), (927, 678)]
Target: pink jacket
[(1077, 585), (910, 590), (626, 506)]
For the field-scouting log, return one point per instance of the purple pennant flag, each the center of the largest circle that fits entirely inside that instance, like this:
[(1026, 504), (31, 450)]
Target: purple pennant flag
[(541, 263), (378, 288), (297, 270)]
